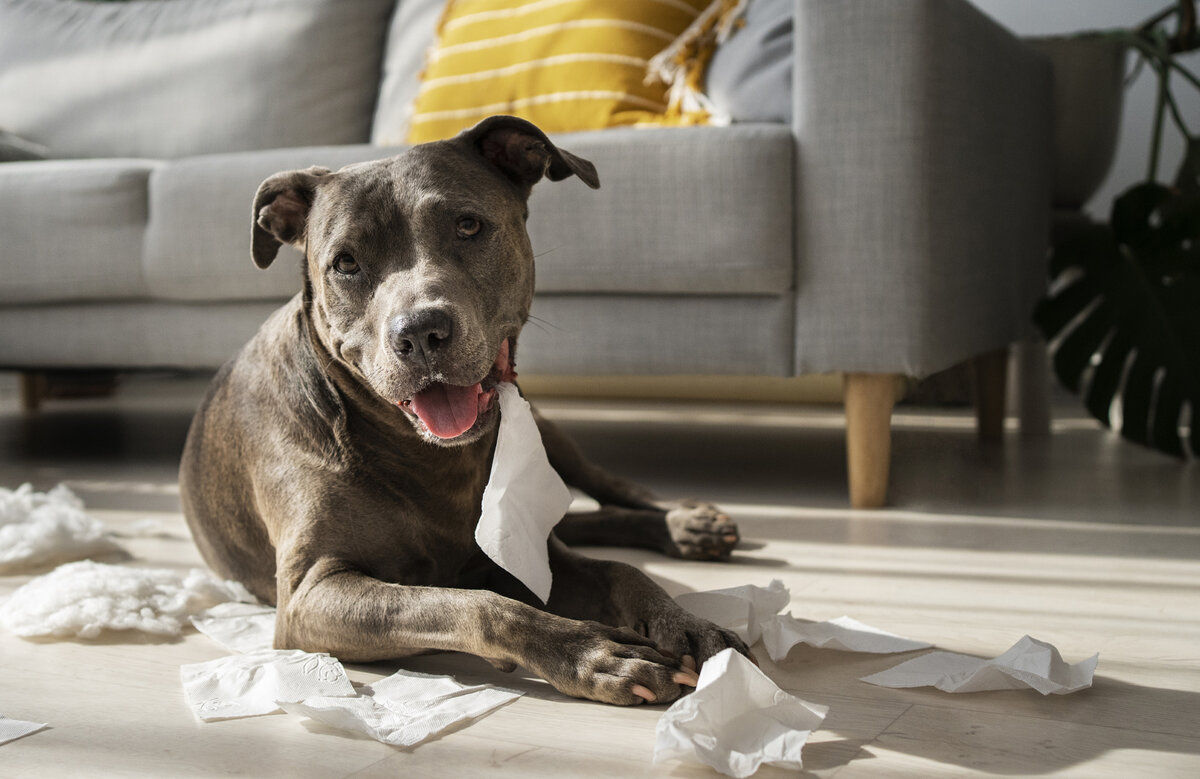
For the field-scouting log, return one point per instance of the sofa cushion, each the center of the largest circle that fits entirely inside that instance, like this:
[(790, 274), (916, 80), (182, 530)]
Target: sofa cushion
[(655, 335), (198, 240), (14, 148), (750, 75), (670, 217), (166, 79), (72, 229), (566, 66), (412, 31), (702, 210)]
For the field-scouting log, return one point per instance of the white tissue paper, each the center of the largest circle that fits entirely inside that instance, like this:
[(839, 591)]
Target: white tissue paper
[(524, 498), (752, 612), (239, 627), (740, 609), (81, 599), (406, 708), (1029, 663), (783, 631), (736, 720), (13, 729), (255, 683), (43, 528)]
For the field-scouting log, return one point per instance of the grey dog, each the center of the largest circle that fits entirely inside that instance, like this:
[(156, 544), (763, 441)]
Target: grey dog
[(337, 464)]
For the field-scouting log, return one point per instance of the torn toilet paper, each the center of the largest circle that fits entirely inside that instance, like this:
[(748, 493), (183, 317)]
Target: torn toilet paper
[(255, 683), (736, 720), (524, 498), (1029, 663), (239, 627), (81, 599), (13, 729), (406, 708), (783, 631), (38, 529), (741, 609), (752, 612)]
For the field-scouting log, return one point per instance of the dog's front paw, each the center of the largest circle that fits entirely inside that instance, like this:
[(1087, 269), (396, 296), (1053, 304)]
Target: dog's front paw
[(699, 531), (679, 633), (607, 664)]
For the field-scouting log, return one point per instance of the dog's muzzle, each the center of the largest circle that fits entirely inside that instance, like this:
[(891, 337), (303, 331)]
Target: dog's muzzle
[(448, 410)]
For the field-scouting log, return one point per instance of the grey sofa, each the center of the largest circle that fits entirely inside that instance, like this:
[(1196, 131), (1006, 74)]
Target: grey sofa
[(895, 227)]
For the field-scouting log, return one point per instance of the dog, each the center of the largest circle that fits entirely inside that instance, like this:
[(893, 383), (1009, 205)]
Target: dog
[(337, 463)]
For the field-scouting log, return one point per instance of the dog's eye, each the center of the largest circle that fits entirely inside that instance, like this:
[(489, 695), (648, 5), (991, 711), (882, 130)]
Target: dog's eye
[(469, 226), (345, 264)]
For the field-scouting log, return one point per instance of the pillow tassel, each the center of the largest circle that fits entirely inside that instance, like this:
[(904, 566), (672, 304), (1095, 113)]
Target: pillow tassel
[(682, 65)]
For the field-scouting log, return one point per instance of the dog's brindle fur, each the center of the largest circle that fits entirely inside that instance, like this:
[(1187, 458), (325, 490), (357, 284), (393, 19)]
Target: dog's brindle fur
[(305, 479)]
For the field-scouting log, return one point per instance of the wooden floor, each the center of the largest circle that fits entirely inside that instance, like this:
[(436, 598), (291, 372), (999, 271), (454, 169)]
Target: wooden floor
[(1080, 540)]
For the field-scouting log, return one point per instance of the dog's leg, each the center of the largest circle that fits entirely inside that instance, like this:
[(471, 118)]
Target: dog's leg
[(629, 515), (621, 595), (334, 608)]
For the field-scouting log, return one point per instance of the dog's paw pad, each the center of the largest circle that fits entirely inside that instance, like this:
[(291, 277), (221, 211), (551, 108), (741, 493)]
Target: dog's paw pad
[(700, 531)]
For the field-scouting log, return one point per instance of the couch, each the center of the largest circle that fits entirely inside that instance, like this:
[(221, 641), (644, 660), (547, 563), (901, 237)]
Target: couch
[(894, 227)]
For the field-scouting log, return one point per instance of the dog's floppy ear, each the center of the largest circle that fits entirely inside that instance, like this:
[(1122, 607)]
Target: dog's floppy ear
[(281, 212), (523, 153)]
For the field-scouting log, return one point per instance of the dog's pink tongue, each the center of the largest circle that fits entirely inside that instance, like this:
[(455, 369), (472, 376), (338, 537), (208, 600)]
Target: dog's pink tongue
[(447, 411)]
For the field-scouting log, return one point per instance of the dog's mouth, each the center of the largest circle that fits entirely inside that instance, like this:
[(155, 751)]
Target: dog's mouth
[(447, 411)]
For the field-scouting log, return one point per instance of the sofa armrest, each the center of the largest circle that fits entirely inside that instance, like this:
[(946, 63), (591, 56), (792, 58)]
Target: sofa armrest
[(923, 166)]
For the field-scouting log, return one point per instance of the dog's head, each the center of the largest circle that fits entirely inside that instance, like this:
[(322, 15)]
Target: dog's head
[(419, 268)]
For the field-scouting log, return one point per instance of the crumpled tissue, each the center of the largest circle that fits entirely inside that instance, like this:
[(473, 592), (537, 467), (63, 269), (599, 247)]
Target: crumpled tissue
[(741, 609), (39, 529), (239, 627), (406, 708), (752, 612), (1029, 663), (524, 498), (736, 720), (13, 729), (783, 631), (255, 683), (81, 599)]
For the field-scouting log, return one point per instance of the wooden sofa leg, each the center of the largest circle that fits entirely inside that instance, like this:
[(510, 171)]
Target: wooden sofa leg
[(33, 391), (869, 399), (990, 378)]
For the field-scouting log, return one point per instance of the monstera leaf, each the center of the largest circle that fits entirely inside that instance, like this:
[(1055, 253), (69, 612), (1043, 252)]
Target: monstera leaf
[(1122, 317)]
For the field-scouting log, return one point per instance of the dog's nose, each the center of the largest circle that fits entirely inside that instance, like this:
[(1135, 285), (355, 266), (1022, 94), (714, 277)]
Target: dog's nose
[(416, 336)]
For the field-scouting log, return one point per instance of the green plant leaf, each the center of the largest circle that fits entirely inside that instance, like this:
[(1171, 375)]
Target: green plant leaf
[(1123, 314)]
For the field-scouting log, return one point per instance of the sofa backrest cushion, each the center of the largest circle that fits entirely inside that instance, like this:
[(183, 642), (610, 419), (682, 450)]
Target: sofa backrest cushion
[(155, 78), (750, 75), (412, 31)]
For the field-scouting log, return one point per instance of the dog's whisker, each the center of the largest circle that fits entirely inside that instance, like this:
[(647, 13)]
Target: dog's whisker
[(544, 325)]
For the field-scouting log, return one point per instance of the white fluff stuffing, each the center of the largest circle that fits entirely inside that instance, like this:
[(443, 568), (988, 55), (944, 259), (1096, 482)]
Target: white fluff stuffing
[(39, 528), (84, 598)]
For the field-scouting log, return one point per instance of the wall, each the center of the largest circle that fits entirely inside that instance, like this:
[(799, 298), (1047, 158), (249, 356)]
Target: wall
[(1047, 17)]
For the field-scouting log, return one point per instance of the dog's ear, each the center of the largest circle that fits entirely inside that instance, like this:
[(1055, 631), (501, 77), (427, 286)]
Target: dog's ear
[(281, 212), (524, 154)]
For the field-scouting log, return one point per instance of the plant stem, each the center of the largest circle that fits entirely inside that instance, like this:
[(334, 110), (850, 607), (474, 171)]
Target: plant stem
[(1175, 112), (1160, 109)]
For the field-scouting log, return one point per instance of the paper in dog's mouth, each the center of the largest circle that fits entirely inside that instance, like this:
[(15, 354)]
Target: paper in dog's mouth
[(448, 410)]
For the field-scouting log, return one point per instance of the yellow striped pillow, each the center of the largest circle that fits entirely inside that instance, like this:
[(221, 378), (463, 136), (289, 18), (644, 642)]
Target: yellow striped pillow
[(565, 65)]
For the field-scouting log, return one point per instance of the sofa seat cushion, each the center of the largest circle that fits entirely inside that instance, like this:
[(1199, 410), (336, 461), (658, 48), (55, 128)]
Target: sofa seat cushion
[(72, 229), (198, 241), (658, 223), (657, 335), (702, 210)]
